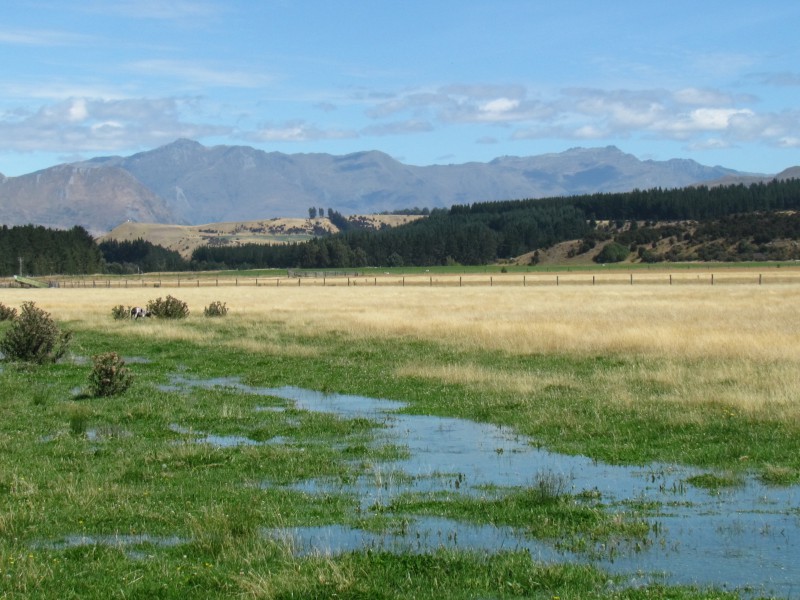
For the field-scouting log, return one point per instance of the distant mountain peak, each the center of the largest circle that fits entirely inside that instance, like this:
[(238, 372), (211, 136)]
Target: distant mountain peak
[(185, 182)]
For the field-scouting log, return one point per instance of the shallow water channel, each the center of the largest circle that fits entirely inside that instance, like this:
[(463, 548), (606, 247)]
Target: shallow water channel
[(744, 538)]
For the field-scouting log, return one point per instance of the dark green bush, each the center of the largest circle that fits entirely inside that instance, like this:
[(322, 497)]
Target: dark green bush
[(169, 308), (612, 253), (109, 375), (7, 313), (216, 309), (34, 337)]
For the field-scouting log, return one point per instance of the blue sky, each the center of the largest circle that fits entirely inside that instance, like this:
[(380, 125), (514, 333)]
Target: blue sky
[(427, 82)]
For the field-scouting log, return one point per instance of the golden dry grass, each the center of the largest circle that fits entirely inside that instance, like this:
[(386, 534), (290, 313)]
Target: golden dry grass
[(737, 345)]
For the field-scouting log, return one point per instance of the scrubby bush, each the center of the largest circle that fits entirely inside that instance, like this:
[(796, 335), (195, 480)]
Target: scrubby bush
[(120, 312), (169, 308), (109, 375), (7, 313), (216, 309), (34, 337)]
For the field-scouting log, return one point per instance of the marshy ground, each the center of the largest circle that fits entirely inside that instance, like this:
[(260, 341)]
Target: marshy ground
[(156, 492)]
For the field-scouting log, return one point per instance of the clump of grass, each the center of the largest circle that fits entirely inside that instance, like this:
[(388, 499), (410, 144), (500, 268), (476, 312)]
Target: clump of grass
[(35, 337), (109, 375), (715, 481), (216, 309), (78, 417), (120, 312), (169, 308), (772, 475), (7, 313)]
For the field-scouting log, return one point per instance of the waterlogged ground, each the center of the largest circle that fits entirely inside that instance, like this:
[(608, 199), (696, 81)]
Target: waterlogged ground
[(743, 536)]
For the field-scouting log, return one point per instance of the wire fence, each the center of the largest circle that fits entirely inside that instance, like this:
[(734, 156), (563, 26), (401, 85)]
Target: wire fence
[(738, 277)]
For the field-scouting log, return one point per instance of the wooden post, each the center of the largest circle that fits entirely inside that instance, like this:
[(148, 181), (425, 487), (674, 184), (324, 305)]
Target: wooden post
[(556, 280), (592, 279), (670, 278), (631, 278), (759, 279), (712, 279)]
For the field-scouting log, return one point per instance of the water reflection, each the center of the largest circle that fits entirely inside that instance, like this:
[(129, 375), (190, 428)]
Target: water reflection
[(742, 538)]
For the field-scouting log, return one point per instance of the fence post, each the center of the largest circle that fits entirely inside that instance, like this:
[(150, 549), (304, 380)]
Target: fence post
[(491, 283), (524, 283), (759, 279), (712, 279), (592, 279), (631, 278), (670, 278), (556, 280), (431, 281)]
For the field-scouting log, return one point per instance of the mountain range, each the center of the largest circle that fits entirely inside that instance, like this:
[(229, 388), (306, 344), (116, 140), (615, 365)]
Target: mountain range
[(187, 183)]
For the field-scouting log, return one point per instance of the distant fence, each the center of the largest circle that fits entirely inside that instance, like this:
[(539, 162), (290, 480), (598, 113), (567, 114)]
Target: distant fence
[(778, 276)]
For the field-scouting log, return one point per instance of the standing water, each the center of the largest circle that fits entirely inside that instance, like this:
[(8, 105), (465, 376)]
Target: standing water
[(743, 538)]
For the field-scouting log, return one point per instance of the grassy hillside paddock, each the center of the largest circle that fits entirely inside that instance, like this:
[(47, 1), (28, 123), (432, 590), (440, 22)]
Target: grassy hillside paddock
[(629, 374)]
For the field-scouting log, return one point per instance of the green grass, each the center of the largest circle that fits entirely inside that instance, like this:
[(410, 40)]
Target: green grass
[(74, 465)]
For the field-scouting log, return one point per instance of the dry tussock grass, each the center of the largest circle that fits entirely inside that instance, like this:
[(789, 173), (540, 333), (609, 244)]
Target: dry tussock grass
[(734, 345)]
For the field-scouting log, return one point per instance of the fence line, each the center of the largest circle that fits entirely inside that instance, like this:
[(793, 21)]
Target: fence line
[(444, 280)]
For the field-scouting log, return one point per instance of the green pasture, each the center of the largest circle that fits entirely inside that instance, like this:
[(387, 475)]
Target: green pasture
[(189, 517)]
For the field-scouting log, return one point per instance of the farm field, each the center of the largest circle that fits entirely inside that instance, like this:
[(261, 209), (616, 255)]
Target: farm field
[(177, 487)]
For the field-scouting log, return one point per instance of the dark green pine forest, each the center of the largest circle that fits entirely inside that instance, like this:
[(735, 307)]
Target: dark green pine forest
[(728, 223)]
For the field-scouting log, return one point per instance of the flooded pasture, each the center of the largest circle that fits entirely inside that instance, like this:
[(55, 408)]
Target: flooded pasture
[(744, 537)]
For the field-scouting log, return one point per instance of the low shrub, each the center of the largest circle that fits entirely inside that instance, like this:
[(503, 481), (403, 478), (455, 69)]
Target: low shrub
[(120, 312), (169, 308), (109, 375), (7, 313), (216, 309), (34, 337)]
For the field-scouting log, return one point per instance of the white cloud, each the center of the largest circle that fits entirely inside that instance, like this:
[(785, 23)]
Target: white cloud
[(41, 37), (93, 125), (296, 131)]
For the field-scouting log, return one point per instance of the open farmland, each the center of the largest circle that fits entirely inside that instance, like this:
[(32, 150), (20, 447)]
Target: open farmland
[(185, 481)]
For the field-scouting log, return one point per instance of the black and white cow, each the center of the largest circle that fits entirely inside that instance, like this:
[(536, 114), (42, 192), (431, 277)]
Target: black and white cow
[(137, 312)]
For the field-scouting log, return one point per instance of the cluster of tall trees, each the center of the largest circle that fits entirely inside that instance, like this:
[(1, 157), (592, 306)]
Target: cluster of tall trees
[(483, 232), (37, 250), (477, 233)]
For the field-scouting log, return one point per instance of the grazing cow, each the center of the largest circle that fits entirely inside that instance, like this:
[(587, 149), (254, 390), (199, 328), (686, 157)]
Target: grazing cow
[(137, 312)]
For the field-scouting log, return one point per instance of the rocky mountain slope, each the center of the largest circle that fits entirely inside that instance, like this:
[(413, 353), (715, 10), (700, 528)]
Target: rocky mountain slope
[(188, 183)]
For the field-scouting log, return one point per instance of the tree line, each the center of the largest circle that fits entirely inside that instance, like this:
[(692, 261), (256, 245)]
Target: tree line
[(471, 234)]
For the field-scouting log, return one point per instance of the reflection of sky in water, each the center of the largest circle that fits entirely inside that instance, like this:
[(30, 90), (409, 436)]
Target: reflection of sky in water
[(734, 538)]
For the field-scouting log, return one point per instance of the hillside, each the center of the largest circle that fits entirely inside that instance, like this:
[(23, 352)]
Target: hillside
[(186, 183), (184, 239)]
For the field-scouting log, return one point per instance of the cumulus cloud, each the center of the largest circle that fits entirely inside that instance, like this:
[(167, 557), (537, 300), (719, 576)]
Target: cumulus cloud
[(89, 125)]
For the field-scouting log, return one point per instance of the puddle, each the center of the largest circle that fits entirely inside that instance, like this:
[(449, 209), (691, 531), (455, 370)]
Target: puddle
[(745, 538), (221, 441), (126, 542)]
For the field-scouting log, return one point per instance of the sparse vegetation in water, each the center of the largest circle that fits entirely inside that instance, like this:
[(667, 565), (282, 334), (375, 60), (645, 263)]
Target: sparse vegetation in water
[(772, 475), (715, 481), (109, 376), (34, 337)]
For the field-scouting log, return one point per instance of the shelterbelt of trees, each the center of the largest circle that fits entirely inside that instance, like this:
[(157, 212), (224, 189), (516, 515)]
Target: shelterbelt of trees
[(738, 222)]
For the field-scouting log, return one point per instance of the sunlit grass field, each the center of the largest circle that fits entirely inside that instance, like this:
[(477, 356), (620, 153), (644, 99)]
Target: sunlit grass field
[(691, 374)]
